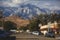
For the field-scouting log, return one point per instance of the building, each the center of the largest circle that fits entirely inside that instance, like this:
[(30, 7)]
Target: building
[(53, 26)]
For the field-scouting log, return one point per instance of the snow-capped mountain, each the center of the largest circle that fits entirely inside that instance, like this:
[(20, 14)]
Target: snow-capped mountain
[(24, 11)]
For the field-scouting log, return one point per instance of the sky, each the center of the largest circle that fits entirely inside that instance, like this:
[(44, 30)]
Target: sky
[(50, 4)]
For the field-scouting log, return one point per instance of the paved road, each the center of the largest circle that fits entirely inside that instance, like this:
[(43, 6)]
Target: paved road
[(27, 36)]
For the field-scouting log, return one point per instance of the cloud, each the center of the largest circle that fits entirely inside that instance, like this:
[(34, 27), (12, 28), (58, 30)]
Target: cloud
[(52, 5), (17, 1), (54, 8), (40, 3), (12, 3)]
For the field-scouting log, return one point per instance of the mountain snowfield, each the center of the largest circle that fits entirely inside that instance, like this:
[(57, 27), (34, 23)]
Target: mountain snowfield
[(26, 11)]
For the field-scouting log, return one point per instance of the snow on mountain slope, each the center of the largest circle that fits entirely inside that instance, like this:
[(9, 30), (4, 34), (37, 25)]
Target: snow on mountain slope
[(26, 11)]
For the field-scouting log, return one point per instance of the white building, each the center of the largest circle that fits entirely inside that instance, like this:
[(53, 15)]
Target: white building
[(53, 26)]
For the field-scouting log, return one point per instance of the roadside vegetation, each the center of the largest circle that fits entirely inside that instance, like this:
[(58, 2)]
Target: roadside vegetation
[(8, 25)]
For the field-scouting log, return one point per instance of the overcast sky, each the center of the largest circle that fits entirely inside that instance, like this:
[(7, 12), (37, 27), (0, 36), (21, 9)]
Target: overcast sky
[(50, 4)]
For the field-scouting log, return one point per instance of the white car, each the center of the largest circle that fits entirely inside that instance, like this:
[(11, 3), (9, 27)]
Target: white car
[(28, 31), (21, 31), (35, 33), (14, 31), (17, 31)]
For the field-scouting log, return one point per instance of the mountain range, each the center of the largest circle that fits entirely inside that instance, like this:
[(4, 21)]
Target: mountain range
[(26, 11)]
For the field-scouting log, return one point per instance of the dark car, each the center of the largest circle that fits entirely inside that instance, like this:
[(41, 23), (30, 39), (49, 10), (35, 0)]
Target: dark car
[(4, 34), (50, 33)]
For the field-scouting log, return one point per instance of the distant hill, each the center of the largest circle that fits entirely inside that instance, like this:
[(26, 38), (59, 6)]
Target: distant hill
[(19, 21)]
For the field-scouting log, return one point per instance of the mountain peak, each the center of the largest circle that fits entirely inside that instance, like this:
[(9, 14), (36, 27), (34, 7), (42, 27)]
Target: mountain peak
[(26, 11)]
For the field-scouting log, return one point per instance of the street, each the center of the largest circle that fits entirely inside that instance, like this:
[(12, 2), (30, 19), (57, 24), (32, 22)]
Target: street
[(27, 36)]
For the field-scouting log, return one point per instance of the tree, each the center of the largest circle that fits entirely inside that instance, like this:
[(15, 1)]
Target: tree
[(43, 18), (33, 26), (1, 18), (0, 23), (8, 25), (23, 28), (1, 14)]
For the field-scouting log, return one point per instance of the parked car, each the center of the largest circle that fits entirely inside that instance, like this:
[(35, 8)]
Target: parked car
[(50, 33), (28, 31), (13, 31), (4, 34), (35, 33), (17, 31), (21, 31)]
